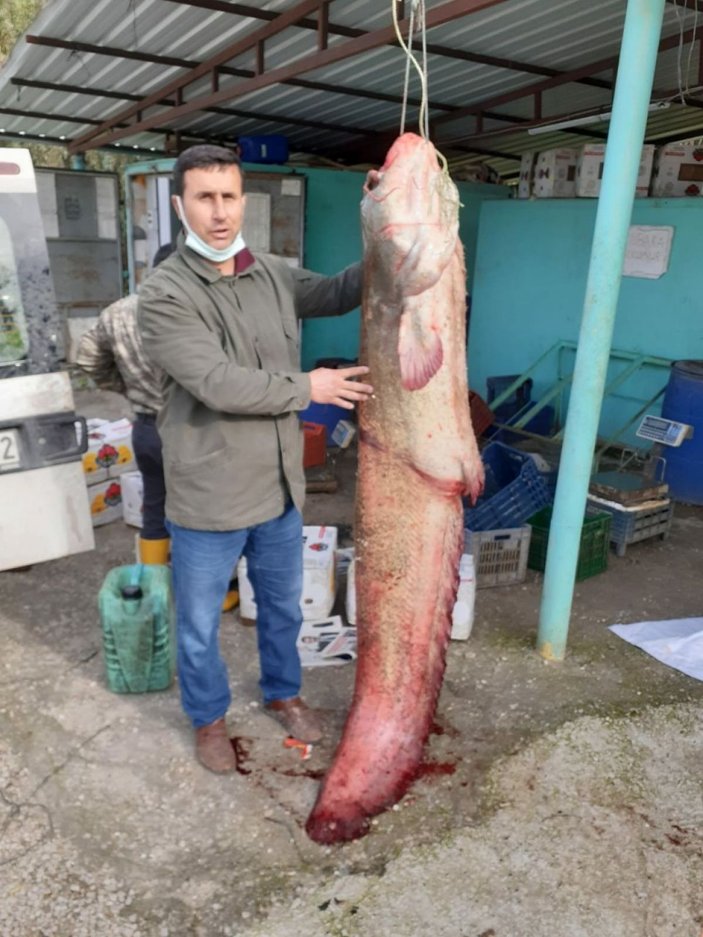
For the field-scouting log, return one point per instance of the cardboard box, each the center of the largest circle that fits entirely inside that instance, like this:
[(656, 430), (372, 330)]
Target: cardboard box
[(644, 177), (589, 170), (555, 173), (105, 499), (678, 171), (110, 451), (326, 643), (132, 485), (462, 613), (319, 545), (527, 170)]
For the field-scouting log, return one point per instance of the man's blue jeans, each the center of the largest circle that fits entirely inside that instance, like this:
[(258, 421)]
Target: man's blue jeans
[(202, 562)]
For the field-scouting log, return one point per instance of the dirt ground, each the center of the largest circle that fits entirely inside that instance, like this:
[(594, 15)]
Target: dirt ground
[(556, 798)]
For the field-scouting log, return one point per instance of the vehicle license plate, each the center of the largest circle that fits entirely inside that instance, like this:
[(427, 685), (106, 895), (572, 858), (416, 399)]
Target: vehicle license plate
[(9, 450)]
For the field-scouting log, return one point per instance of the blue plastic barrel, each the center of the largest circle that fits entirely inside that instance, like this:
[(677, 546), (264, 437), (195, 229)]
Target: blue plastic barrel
[(683, 402)]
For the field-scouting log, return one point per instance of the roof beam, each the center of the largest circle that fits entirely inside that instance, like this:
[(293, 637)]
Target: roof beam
[(351, 32), (73, 119), (536, 90), (223, 69), (282, 22), (565, 78), (446, 12), (235, 112), (45, 139), (225, 111)]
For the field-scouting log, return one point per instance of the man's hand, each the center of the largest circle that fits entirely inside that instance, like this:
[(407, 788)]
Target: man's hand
[(338, 386)]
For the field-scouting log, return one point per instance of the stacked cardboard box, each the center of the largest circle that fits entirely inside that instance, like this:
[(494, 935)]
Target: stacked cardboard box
[(527, 169), (109, 456), (319, 546), (589, 170), (678, 171), (555, 173)]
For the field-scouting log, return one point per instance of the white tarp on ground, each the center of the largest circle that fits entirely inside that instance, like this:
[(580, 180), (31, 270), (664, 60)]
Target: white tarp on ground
[(677, 642)]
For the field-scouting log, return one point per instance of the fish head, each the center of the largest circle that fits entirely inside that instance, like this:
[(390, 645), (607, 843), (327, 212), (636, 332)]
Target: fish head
[(410, 214)]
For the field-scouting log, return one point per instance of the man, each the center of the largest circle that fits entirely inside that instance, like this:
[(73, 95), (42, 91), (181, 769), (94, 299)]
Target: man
[(223, 325), (111, 353)]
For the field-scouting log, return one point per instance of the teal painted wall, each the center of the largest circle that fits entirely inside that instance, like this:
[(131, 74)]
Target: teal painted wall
[(530, 279), (333, 240)]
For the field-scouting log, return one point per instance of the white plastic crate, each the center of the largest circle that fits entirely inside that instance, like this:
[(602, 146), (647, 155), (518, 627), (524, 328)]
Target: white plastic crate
[(500, 556)]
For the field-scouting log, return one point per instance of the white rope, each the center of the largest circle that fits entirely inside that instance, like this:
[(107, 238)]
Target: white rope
[(685, 86), (423, 33), (406, 81), (423, 121), (693, 43)]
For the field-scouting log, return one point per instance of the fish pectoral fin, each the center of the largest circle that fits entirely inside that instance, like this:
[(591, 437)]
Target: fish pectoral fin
[(419, 349)]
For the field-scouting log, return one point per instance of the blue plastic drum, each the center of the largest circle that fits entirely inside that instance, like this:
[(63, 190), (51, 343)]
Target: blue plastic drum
[(683, 402)]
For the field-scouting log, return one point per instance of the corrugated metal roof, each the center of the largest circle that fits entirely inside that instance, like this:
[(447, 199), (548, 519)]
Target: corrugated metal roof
[(124, 50)]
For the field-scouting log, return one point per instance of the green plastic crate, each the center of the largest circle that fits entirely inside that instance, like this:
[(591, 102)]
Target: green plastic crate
[(595, 542)]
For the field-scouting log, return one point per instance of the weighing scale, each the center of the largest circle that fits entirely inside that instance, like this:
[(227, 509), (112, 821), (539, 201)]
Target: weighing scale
[(632, 487), (664, 432)]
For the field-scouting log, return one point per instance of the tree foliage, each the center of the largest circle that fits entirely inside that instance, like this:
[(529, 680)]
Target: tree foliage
[(16, 17)]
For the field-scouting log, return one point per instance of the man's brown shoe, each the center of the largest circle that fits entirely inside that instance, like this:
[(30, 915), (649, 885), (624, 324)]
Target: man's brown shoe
[(297, 718), (213, 748)]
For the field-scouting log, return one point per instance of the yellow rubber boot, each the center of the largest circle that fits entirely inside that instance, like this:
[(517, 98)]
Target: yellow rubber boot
[(154, 551), (232, 598)]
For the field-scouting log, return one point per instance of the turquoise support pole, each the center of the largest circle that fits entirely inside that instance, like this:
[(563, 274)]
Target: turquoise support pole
[(633, 87)]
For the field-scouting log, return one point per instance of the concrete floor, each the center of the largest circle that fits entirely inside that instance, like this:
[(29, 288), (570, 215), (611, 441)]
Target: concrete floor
[(557, 798)]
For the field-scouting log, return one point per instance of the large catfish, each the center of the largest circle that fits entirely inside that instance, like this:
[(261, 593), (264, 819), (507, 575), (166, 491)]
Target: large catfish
[(417, 457)]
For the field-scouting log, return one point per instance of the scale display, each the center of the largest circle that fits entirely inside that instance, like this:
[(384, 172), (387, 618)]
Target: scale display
[(666, 432)]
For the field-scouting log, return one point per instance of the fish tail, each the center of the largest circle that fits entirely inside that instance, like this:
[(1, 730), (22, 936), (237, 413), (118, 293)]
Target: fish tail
[(400, 661)]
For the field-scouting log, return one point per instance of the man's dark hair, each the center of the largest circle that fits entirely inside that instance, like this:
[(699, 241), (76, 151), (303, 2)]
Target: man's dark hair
[(162, 253), (202, 156)]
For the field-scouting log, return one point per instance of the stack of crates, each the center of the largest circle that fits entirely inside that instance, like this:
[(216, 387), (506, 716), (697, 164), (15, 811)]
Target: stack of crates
[(496, 529), (635, 523)]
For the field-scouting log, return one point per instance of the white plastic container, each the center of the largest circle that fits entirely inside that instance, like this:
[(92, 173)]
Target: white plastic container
[(463, 614), (350, 598), (132, 485)]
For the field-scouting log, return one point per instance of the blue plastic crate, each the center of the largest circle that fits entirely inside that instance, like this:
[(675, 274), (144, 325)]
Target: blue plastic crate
[(514, 491)]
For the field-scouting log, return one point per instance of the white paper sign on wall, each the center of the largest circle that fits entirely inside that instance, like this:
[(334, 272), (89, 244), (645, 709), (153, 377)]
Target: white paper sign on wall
[(648, 250)]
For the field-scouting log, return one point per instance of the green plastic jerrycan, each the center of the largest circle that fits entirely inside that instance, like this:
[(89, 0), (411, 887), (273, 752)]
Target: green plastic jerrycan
[(136, 614)]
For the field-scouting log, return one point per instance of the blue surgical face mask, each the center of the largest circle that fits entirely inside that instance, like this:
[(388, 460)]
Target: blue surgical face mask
[(195, 243)]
